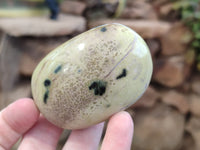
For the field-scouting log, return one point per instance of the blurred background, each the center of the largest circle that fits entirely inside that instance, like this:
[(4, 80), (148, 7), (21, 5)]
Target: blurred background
[(167, 117)]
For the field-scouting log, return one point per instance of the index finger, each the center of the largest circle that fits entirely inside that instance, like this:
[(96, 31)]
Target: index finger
[(15, 120), (119, 132)]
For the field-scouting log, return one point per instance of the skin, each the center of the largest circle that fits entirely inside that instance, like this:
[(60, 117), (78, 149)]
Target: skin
[(22, 119)]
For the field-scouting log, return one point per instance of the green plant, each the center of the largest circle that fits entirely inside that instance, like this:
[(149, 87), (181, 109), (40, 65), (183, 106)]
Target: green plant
[(190, 15)]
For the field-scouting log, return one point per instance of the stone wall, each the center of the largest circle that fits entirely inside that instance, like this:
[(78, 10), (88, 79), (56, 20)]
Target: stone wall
[(167, 117)]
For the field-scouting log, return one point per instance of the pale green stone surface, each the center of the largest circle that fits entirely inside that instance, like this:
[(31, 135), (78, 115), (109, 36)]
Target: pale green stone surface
[(99, 55)]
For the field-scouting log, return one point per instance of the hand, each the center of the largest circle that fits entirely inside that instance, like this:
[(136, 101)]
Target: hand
[(22, 119)]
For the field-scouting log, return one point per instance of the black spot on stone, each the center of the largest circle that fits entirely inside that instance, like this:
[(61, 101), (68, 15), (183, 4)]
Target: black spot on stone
[(96, 92), (103, 29), (46, 95), (99, 87), (58, 69), (47, 83), (102, 90), (123, 74), (93, 85), (108, 105)]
